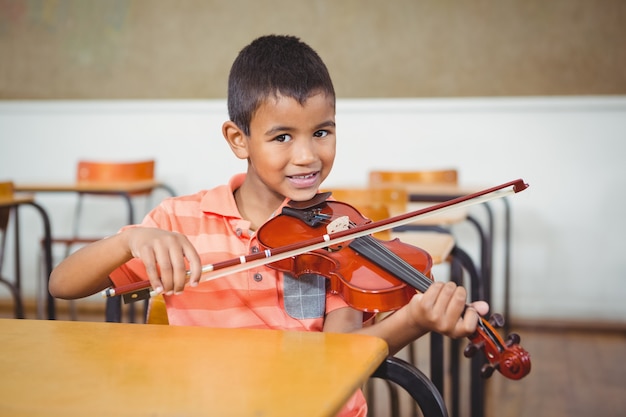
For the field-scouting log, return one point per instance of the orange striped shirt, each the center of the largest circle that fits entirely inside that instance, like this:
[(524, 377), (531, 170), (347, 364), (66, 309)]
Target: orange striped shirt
[(249, 299)]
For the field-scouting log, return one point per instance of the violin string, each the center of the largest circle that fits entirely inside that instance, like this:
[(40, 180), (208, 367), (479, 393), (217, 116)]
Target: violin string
[(423, 280), (418, 280)]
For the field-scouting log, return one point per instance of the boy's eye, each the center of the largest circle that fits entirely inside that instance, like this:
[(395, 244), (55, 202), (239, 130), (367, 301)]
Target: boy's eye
[(282, 138), (320, 133)]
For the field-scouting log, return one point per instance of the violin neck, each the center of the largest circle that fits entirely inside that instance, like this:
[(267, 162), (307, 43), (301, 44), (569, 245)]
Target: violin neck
[(374, 251)]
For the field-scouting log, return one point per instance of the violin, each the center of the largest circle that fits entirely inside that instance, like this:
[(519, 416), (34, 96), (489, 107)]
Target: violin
[(387, 284), (372, 275)]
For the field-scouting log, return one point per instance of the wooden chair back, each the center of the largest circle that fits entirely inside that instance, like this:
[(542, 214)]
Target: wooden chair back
[(6, 189), (422, 182), (442, 176), (157, 313), (111, 172), (394, 199), (373, 203), (6, 193)]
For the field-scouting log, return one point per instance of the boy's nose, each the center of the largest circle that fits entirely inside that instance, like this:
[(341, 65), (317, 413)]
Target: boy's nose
[(304, 152)]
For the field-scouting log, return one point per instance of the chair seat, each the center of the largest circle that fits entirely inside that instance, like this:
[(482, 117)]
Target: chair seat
[(438, 245)]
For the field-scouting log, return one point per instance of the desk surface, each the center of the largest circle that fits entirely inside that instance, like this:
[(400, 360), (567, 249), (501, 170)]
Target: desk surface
[(86, 186), (105, 369), (16, 200)]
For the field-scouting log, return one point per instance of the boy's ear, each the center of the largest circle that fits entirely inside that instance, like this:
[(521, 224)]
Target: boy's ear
[(236, 139)]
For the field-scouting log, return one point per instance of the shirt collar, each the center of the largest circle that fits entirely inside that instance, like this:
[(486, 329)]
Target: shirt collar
[(221, 200)]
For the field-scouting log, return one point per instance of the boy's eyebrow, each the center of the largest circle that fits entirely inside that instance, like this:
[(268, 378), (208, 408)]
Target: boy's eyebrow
[(280, 128)]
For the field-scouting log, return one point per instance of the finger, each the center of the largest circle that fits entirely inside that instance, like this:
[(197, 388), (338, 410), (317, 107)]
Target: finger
[(456, 303), (481, 307), (149, 262), (473, 314), (450, 303), (468, 324), (179, 270), (195, 265), (430, 297), (165, 271)]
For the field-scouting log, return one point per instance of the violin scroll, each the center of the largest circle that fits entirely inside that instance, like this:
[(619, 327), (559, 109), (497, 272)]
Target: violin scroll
[(508, 357)]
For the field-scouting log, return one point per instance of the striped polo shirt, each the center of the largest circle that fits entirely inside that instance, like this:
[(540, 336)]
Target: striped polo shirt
[(261, 297)]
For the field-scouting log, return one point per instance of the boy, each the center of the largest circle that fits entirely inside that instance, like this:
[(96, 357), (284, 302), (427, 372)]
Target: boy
[(281, 104)]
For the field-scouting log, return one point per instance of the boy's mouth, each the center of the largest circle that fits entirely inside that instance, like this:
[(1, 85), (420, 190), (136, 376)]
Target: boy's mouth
[(305, 176), (304, 180)]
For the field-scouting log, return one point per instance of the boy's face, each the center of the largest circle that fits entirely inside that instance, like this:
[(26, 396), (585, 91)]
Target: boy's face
[(291, 148)]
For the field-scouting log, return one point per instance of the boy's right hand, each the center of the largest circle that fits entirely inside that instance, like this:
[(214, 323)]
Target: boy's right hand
[(166, 256)]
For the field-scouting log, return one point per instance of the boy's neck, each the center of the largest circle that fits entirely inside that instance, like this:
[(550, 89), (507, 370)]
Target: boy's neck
[(252, 207)]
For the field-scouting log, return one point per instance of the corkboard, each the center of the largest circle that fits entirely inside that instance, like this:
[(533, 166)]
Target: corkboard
[(161, 49)]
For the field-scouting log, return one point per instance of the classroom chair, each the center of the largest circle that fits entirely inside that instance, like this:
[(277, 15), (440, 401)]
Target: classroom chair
[(436, 184), (435, 176), (380, 203), (95, 173), (432, 182), (383, 202)]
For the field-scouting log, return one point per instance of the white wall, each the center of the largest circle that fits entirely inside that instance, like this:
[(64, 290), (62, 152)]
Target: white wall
[(567, 227)]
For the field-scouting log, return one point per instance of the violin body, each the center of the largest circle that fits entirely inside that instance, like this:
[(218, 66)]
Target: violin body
[(376, 276), (363, 284)]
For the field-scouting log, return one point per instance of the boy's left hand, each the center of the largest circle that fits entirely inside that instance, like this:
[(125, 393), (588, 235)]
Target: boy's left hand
[(443, 309)]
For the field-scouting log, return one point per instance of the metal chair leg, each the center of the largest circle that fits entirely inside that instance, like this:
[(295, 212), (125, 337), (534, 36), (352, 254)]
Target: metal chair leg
[(413, 381)]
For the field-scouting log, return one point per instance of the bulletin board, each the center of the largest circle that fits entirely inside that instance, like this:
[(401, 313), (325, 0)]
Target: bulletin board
[(160, 49)]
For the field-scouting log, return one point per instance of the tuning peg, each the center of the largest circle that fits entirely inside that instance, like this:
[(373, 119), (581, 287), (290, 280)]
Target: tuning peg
[(471, 349), (487, 370), (496, 320), (512, 339)]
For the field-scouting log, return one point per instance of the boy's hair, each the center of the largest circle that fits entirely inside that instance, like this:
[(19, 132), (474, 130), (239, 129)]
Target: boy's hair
[(274, 65)]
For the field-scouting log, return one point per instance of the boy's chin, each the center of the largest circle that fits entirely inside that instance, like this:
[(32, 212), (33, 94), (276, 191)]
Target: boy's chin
[(302, 195)]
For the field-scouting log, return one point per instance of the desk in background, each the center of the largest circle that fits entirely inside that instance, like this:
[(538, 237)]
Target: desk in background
[(15, 202), (441, 193), (123, 189), (107, 369)]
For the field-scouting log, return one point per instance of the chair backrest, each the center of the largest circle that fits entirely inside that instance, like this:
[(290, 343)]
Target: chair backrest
[(157, 313), (6, 189), (442, 176), (110, 172), (394, 198), (91, 171), (6, 192), (374, 203)]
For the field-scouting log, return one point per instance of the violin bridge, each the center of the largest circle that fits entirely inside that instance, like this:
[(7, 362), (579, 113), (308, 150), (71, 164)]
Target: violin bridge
[(338, 225)]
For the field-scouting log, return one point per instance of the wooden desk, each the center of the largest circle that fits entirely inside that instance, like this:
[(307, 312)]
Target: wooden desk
[(15, 202), (123, 189), (113, 369)]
